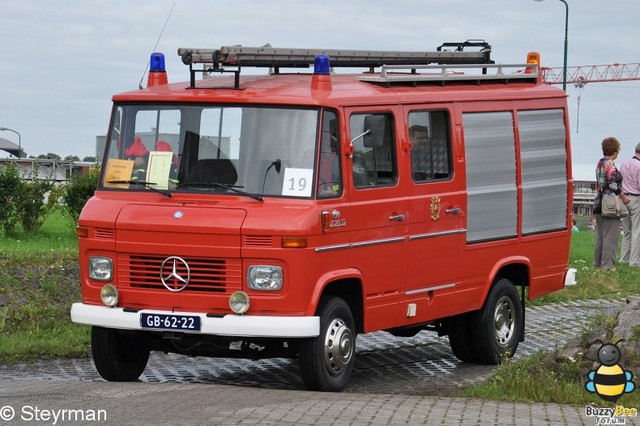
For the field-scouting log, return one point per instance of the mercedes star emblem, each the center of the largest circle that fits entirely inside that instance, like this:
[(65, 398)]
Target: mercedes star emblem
[(175, 273)]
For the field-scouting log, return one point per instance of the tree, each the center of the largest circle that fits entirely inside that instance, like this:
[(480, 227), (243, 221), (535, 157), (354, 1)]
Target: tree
[(90, 159), (72, 158), (49, 156)]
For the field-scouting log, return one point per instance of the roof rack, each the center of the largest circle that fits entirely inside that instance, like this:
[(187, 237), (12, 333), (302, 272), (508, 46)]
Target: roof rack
[(276, 58), (448, 73)]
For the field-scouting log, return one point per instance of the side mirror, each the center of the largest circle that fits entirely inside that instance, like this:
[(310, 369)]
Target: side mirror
[(374, 127)]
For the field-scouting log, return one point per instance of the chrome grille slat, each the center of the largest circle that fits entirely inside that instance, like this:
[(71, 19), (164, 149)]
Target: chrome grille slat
[(207, 275)]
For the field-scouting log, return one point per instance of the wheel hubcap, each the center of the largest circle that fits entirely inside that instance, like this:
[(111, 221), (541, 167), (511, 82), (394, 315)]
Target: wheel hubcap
[(504, 321), (338, 346)]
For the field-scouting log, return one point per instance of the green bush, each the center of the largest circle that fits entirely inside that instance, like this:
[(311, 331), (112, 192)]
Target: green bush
[(38, 198), (78, 191), (9, 198)]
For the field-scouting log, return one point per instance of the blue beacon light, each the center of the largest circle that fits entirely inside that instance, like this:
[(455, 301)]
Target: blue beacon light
[(157, 62), (321, 65), (157, 71)]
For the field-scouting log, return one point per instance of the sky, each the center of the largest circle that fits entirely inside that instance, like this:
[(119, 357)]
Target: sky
[(61, 61)]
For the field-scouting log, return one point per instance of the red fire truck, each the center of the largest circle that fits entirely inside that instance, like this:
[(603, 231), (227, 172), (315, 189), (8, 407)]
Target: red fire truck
[(281, 214)]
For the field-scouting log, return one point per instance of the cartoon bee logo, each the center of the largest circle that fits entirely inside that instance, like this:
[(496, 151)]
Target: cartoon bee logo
[(610, 381)]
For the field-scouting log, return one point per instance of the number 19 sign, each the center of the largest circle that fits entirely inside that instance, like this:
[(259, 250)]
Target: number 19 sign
[(297, 182)]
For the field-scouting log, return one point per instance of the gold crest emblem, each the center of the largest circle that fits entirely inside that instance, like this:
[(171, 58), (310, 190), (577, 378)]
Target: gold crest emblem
[(435, 208)]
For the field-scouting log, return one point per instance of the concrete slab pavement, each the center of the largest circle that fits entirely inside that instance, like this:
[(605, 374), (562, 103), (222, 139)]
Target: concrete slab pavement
[(72, 402)]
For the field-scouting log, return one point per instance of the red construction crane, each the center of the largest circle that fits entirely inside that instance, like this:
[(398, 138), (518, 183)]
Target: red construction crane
[(582, 75)]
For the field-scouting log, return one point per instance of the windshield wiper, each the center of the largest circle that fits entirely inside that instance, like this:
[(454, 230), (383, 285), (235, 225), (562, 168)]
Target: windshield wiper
[(146, 184), (232, 188)]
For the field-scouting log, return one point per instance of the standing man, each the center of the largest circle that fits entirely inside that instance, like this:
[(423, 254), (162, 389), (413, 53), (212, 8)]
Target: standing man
[(630, 171)]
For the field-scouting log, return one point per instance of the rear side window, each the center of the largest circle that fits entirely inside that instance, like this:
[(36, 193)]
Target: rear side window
[(430, 145), (492, 190), (492, 178), (374, 158)]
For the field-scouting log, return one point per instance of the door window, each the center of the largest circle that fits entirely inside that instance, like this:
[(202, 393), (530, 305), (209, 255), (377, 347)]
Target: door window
[(374, 158), (430, 145)]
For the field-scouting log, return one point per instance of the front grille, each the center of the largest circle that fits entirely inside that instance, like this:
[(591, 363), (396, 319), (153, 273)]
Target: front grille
[(207, 275)]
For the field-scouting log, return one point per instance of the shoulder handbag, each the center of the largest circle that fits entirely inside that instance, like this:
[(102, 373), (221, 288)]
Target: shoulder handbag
[(613, 207), (597, 204)]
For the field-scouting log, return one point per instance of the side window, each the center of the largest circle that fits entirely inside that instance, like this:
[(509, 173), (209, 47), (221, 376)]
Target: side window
[(329, 171), (431, 145), (374, 158)]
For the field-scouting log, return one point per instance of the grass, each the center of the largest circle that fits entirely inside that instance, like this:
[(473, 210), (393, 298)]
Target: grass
[(593, 283), (541, 379), (56, 235), (39, 282)]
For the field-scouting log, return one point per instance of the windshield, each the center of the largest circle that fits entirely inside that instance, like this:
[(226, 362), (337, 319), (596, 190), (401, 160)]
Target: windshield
[(256, 151)]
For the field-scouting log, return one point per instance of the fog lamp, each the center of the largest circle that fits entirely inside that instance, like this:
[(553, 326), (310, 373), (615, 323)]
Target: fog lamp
[(239, 302), (109, 295)]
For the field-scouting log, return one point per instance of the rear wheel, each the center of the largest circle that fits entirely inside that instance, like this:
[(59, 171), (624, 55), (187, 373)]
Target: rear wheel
[(459, 328), (118, 357), (326, 361), (497, 328)]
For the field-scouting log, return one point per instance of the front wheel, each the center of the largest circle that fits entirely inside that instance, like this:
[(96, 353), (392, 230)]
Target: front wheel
[(326, 361), (497, 328), (118, 357)]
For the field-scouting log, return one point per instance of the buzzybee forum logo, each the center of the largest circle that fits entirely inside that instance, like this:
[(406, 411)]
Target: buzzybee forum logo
[(610, 381)]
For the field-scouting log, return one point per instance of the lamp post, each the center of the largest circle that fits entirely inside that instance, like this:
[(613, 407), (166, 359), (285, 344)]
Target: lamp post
[(19, 139), (566, 43)]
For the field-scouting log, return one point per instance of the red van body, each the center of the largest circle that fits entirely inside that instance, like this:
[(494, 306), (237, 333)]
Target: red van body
[(280, 215)]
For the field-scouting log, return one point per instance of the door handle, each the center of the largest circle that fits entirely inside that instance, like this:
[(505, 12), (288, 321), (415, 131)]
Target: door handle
[(397, 217), (453, 210)]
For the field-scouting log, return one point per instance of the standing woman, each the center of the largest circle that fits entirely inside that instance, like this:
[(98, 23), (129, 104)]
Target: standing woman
[(609, 181)]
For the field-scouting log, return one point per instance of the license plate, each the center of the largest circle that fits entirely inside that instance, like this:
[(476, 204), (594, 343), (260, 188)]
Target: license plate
[(170, 322)]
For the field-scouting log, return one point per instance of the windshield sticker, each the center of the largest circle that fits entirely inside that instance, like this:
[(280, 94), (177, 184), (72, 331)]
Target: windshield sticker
[(297, 182), (118, 171)]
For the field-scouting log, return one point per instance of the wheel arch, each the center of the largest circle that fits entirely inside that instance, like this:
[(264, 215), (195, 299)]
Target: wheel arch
[(346, 284), (515, 269)]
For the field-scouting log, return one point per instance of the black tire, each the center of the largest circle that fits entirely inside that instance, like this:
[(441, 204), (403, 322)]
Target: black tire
[(497, 328), (326, 361), (460, 340), (118, 357)]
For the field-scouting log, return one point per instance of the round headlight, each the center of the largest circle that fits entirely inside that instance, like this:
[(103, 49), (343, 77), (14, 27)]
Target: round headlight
[(239, 302), (109, 295)]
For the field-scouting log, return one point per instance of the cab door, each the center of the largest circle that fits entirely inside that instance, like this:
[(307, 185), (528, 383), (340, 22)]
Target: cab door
[(378, 213), (436, 237)]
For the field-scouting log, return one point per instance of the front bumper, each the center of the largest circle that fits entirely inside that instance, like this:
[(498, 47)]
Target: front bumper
[(228, 325)]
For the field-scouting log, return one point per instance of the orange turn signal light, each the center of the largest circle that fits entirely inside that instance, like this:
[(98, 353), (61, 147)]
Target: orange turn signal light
[(82, 231), (294, 242)]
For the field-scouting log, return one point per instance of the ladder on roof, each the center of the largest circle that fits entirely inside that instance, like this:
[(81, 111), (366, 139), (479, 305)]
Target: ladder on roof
[(276, 58)]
